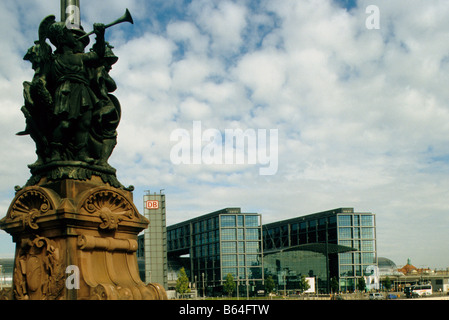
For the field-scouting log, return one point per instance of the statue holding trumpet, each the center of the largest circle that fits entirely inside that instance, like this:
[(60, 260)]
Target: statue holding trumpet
[(69, 109)]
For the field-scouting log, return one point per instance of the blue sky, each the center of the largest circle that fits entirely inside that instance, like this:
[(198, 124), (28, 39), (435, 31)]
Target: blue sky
[(362, 115)]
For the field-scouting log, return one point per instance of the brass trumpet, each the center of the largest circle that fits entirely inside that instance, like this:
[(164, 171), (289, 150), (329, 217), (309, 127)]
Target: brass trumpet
[(125, 18)]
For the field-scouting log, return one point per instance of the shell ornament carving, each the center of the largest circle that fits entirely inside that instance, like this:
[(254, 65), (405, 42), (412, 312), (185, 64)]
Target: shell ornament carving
[(111, 207), (29, 206)]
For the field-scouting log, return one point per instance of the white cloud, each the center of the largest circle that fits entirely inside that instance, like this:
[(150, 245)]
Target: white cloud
[(224, 21), (189, 35), (190, 108)]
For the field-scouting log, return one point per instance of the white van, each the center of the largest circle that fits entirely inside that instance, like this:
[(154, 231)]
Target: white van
[(376, 296)]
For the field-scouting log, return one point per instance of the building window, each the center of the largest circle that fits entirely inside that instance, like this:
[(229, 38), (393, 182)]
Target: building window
[(321, 235), (252, 221), (228, 234), (332, 235), (197, 240), (252, 247), (345, 221), (345, 233), (232, 271), (368, 258), (356, 220), (240, 221), (254, 273), (240, 235), (311, 237), (229, 260), (294, 234), (358, 271), (367, 245), (252, 234), (357, 258), (367, 233), (332, 221), (284, 237), (346, 258), (322, 223), (242, 273), (312, 225), (228, 221), (367, 221), (229, 247), (211, 248), (253, 260), (211, 236), (347, 243), (241, 247), (346, 271)]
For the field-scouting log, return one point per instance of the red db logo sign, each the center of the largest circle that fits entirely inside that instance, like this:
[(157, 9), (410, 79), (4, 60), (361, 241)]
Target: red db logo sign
[(152, 204)]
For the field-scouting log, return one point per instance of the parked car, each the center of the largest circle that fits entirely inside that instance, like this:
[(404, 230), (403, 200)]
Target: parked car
[(376, 296)]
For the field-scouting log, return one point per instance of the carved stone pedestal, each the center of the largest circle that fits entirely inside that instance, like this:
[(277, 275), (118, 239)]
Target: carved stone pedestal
[(76, 240)]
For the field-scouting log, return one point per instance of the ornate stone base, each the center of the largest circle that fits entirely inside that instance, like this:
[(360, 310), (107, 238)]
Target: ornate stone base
[(76, 240)]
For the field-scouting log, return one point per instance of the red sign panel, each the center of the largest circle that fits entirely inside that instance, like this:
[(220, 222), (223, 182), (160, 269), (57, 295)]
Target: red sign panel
[(152, 204)]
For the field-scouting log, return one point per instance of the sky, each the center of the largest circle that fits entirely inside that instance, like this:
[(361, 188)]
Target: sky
[(358, 99)]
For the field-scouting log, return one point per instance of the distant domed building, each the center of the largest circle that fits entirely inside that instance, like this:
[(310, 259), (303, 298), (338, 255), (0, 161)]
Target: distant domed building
[(411, 269), (387, 267), (408, 268)]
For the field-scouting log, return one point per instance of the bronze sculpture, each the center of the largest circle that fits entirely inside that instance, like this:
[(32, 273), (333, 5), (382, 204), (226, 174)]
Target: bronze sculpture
[(69, 108)]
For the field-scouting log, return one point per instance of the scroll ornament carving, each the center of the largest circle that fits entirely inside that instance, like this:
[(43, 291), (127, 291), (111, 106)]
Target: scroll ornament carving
[(115, 260)]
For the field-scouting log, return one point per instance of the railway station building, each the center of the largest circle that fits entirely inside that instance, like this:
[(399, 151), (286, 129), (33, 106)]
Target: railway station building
[(338, 245)]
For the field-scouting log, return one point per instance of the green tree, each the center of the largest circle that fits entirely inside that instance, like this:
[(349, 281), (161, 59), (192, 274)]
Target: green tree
[(229, 285), (334, 284), (387, 283), (182, 283), (303, 284), (269, 284), (361, 284)]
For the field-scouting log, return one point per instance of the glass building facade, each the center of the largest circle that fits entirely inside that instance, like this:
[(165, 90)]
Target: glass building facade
[(339, 244), (357, 231), (287, 267), (220, 243), (345, 240)]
